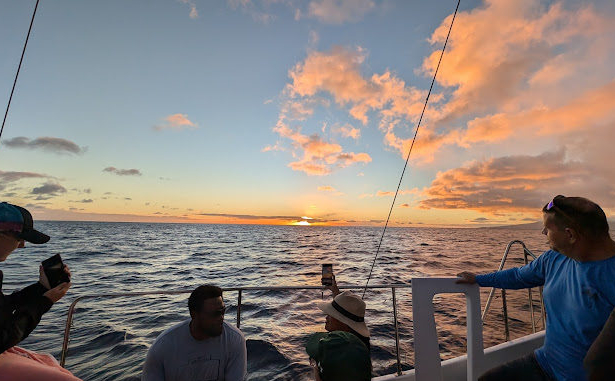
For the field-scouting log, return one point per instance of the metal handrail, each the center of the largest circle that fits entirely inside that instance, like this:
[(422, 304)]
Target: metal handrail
[(71, 309), (526, 252)]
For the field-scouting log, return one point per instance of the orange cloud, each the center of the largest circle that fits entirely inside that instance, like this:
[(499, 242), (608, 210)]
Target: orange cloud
[(330, 189), (275, 147), (588, 111), (319, 156), (392, 193), (385, 194), (488, 65), (541, 73), (348, 131), (175, 122), (338, 74), (526, 76), (194, 13), (521, 183)]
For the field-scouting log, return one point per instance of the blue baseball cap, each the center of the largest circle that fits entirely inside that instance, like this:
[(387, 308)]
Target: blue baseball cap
[(17, 220)]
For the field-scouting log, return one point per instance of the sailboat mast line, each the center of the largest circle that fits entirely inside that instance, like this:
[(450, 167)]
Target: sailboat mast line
[(8, 106), (433, 80)]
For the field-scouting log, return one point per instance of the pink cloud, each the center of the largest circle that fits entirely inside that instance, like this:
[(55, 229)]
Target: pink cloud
[(317, 157), (194, 13), (338, 74), (489, 66), (348, 131), (522, 183), (175, 122), (330, 189)]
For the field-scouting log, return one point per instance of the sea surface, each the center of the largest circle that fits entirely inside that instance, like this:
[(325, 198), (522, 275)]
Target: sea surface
[(110, 336)]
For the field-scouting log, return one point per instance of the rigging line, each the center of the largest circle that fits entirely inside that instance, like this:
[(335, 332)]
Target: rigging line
[(411, 146), (19, 68)]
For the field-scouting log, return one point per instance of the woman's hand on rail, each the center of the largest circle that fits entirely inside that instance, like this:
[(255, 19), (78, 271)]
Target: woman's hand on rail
[(57, 292), (466, 277)]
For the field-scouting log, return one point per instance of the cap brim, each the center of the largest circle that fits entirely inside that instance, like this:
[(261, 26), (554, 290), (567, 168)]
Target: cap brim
[(34, 236), (312, 345), (359, 327)]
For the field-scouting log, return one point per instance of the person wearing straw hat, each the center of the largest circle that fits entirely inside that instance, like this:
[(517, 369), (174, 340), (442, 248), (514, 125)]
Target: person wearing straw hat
[(346, 312)]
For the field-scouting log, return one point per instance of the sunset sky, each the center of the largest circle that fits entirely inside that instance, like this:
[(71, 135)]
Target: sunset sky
[(283, 111)]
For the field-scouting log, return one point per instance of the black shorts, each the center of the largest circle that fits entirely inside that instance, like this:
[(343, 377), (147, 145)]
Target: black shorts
[(526, 368)]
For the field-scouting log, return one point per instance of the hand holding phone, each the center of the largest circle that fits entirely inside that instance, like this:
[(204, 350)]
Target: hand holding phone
[(57, 292), (54, 271)]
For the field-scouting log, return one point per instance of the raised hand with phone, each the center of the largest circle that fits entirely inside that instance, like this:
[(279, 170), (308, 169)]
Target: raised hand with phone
[(328, 279), (54, 275)]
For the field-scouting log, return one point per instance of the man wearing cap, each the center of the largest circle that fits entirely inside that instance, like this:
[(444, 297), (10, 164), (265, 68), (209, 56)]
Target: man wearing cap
[(579, 292), (21, 311), (338, 356)]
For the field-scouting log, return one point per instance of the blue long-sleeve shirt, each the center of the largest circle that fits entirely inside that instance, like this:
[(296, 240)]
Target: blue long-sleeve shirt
[(578, 296)]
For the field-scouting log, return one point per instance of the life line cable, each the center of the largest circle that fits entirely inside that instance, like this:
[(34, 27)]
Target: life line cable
[(410, 151), (23, 52)]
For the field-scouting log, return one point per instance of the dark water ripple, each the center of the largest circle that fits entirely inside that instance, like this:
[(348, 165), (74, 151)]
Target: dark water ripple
[(110, 337)]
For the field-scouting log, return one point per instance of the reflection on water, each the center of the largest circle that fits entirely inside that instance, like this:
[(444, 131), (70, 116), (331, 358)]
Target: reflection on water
[(110, 338)]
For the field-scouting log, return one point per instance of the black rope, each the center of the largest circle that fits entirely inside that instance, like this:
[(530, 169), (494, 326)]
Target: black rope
[(411, 146), (18, 68)]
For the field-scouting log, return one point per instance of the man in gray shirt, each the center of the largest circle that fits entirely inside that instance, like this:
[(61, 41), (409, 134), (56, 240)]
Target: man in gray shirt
[(204, 348)]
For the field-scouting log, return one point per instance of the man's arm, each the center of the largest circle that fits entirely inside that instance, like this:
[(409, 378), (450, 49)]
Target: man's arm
[(236, 367), (26, 295), (530, 275), (153, 369), (20, 315)]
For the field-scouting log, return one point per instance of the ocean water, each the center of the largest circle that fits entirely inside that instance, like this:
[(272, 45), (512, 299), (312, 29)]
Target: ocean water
[(110, 336)]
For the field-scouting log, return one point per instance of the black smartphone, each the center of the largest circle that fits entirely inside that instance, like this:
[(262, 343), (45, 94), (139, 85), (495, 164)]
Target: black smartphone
[(54, 270), (327, 274)]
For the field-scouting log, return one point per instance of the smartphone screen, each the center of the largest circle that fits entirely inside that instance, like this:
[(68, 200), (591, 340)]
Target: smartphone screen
[(54, 270), (327, 274)]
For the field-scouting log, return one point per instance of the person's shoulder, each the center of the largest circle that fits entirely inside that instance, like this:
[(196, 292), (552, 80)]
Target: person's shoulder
[(552, 255), (170, 333), (233, 332)]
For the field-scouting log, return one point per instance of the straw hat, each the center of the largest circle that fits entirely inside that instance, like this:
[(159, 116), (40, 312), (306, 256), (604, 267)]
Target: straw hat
[(349, 309)]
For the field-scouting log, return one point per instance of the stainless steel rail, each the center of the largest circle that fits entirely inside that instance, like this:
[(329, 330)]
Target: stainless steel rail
[(526, 253), (240, 290)]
